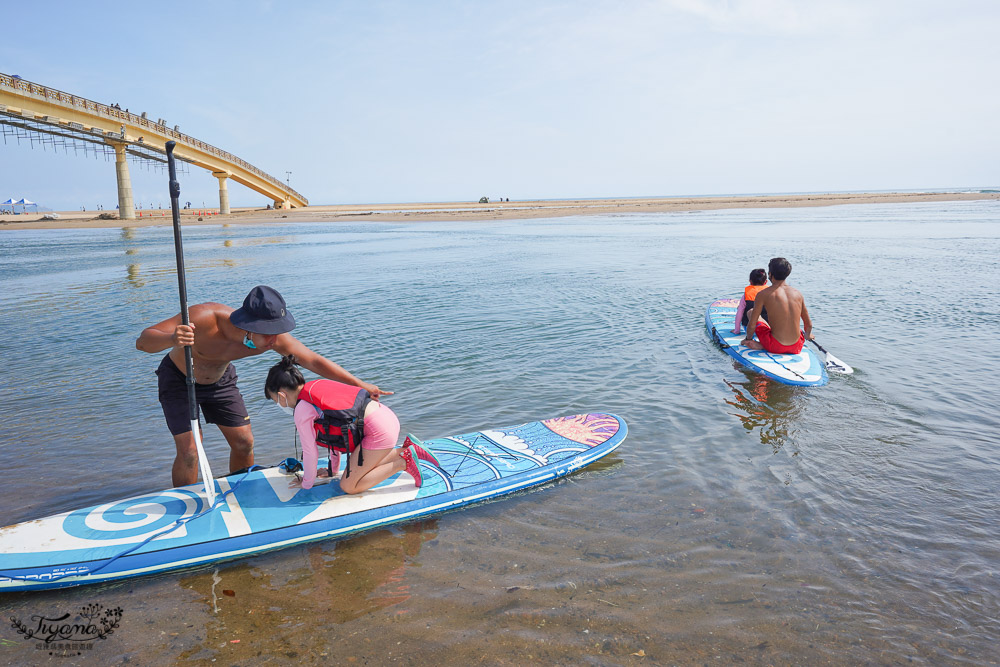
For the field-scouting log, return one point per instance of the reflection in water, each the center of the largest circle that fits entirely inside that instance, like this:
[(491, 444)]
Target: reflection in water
[(336, 582), (134, 279), (764, 405)]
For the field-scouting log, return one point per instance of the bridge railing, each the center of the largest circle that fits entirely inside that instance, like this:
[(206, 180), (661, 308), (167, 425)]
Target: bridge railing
[(66, 99)]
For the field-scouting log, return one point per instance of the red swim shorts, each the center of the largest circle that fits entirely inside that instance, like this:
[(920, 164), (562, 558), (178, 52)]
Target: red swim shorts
[(763, 332)]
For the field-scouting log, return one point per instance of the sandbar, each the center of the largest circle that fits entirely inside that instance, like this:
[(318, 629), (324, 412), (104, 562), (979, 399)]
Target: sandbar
[(472, 211)]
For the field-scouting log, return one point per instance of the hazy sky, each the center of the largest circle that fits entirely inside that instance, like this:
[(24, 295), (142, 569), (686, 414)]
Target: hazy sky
[(450, 101)]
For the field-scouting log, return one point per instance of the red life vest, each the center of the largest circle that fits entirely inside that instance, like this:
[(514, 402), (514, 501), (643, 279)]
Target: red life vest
[(342, 424)]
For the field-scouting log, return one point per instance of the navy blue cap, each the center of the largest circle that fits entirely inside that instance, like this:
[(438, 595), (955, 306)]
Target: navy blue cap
[(263, 312)]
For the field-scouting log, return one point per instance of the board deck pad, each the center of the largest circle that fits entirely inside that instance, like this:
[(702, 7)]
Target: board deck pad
[(268, 509), (803, 369)]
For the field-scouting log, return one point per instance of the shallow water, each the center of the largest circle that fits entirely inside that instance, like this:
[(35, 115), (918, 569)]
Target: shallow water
[(742, 520)]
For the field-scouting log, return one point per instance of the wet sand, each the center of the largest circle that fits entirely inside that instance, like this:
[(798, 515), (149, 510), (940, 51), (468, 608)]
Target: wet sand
[(464, 211)]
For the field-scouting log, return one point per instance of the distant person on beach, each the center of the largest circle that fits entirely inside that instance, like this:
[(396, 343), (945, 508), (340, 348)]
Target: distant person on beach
[(322, 409), (786, 306), (219, 335), (758, 281)]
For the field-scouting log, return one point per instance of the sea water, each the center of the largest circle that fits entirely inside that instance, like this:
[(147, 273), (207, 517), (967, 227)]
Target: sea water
[(742, 520)]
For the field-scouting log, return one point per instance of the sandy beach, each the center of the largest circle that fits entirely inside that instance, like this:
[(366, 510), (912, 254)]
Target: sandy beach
[(474, 211)]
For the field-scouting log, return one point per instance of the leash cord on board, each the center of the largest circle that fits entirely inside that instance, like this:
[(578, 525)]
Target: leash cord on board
[(720, 340), (725, 346), (782, 365), (169, 529)]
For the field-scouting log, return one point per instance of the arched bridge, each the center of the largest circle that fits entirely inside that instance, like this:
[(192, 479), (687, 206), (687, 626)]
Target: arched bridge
[(46, 111)]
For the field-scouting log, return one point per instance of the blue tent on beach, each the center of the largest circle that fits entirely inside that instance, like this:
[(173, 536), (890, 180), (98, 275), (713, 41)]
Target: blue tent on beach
[(24, 203)]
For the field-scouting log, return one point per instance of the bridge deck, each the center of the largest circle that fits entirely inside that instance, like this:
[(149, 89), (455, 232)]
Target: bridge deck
[(54, 111)]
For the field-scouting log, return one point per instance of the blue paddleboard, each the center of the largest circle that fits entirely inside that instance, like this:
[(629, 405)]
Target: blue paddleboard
[(268, 509), (804, 369)]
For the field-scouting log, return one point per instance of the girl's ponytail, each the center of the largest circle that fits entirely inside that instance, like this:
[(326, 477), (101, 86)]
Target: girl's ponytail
[(283, 375)]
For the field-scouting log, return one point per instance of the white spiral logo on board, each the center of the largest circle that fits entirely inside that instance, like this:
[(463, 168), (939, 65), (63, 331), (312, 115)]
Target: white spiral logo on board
[(134, 517)]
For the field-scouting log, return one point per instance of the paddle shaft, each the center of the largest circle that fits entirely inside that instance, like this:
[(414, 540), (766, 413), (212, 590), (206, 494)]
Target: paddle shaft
[(821, 348), (175, 194)]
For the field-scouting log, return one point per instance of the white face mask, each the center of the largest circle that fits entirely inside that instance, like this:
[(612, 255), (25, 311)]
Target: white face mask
[(284, 408)]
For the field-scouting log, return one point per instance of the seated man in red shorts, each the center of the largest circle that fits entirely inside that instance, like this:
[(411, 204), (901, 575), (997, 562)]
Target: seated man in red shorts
[(785, 307)]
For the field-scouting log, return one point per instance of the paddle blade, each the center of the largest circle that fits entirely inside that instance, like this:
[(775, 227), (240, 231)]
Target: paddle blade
[(835, 365), (206, 470)]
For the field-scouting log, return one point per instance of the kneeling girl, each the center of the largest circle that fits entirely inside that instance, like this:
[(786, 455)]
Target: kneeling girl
[(332, 415)]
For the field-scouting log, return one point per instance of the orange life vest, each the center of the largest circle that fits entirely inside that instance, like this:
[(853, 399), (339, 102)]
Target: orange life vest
[(750, 291)]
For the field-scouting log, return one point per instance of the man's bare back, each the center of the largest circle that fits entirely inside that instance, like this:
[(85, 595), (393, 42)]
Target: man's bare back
[(785, 307)]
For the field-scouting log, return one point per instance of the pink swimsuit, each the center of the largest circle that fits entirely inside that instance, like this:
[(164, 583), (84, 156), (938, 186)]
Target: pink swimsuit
[(381, 432)]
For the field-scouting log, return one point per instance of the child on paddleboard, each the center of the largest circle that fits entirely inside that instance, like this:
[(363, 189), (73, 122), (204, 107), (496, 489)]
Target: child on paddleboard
[(758, 281), (342, 418)]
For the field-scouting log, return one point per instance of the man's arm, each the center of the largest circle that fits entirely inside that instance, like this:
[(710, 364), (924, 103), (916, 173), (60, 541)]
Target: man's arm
[(168, 333), (758, 306), (807, 325), (287, 344)]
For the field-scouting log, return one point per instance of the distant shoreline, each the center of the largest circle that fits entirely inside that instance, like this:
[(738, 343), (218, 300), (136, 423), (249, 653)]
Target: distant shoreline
[(512, 210)]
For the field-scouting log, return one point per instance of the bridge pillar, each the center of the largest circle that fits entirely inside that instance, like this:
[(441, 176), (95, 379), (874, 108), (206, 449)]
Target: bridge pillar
[(126, 206), (223, 191)]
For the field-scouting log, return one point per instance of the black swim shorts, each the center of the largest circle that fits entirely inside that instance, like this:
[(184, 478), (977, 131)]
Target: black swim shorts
[(221, 403), (748, 310)]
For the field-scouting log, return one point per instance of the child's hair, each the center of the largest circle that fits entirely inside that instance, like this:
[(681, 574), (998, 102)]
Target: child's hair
[(283, 375), (758, 277)]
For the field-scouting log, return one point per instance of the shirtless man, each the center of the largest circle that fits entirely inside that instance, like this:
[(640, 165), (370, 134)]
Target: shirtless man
[(785, 307), (224, 335)]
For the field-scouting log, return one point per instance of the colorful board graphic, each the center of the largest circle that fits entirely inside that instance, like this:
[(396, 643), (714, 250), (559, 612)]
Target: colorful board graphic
[(803, 369), (267, 509)]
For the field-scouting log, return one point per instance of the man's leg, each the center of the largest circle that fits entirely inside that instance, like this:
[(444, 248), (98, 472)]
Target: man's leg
[(185, 470), (222, 404), (763, 332), (240, 439)]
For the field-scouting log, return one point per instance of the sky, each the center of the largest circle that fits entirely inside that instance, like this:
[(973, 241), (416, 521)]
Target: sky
[(379, 102)]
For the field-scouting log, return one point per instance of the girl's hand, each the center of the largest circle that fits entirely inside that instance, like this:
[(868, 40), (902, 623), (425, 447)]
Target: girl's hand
[(322, 472)]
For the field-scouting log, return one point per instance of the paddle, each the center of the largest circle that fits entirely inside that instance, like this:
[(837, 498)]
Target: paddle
[(175, 193), (833, 364)]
